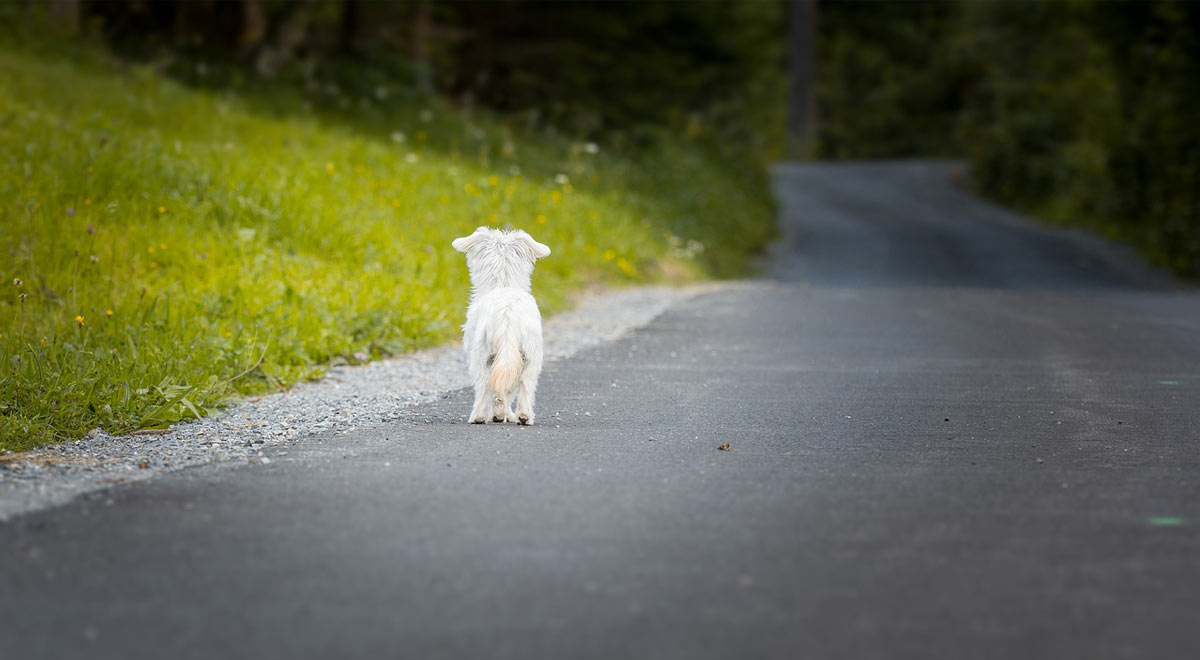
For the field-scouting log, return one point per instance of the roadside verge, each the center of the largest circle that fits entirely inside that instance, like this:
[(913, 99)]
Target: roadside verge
[(348, 398)]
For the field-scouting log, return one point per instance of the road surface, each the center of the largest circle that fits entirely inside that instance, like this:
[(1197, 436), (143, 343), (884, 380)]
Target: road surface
[(951, 435)]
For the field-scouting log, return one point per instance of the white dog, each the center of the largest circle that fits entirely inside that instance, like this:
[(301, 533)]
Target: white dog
[(503, 332)]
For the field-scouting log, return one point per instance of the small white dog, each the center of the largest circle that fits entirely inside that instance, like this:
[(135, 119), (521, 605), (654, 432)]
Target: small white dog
[(503, 332)]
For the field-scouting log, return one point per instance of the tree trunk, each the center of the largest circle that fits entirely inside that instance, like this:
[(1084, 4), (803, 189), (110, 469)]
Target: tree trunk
[(287, 35), (422, 45), (66, 13), (254, 27), (802, 107), (353, 23)]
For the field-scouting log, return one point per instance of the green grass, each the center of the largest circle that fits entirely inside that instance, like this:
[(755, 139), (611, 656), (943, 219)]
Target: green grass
[(166, 249)]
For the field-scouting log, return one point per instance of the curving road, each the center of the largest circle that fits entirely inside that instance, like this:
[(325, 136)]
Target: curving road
[(952, 434)]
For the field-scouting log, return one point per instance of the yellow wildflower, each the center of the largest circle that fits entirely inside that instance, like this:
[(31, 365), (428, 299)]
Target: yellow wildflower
[(79, 320), (87, 202), (609, 255), (329, 168), (493, 180), (626, 267), (150, 249), (162, 209), (108, 312), (541, 219)]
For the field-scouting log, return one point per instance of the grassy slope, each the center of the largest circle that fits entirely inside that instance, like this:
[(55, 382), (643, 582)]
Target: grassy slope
[(176, 247)]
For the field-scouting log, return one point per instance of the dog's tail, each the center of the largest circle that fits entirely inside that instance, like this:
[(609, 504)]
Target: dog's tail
[(507, 364)]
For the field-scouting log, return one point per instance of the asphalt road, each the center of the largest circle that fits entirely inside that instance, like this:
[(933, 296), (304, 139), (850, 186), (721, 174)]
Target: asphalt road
[(951, 435)]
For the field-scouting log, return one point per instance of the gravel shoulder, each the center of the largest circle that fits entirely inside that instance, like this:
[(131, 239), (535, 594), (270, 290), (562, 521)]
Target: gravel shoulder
[(346, 399)]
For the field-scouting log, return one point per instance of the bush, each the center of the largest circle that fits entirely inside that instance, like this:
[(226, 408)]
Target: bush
[(1092, 122), (1081, 113)]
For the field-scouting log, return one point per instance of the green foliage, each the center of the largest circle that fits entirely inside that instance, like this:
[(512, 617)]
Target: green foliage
[(166, 249), (598, 67), (1080, 112), (884, 87), (594, 69), (1092, 122)]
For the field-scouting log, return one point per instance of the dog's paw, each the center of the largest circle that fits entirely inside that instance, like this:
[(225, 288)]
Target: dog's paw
[(479, 420), (525, 418)]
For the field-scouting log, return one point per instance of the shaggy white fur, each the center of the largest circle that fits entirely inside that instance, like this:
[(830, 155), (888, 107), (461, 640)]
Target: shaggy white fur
[(503, 332)]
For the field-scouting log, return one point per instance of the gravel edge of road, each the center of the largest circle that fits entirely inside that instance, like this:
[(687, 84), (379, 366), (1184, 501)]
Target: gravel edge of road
[(345, 399)]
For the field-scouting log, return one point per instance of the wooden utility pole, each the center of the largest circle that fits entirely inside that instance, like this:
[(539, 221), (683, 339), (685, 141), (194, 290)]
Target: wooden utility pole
[(802, 106)]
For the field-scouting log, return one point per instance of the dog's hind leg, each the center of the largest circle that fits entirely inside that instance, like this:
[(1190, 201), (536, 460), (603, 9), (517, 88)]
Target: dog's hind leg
[(525, 404), (531, 350), (525, 395), (481, 412), (502, 408)]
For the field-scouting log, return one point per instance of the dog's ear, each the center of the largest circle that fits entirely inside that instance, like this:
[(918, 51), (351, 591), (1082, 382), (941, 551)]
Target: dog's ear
[(463, 244), (536, 249)]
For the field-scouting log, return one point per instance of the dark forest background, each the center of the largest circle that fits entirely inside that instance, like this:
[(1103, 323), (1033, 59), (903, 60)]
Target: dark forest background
[(1082, 112), (593, 69)]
